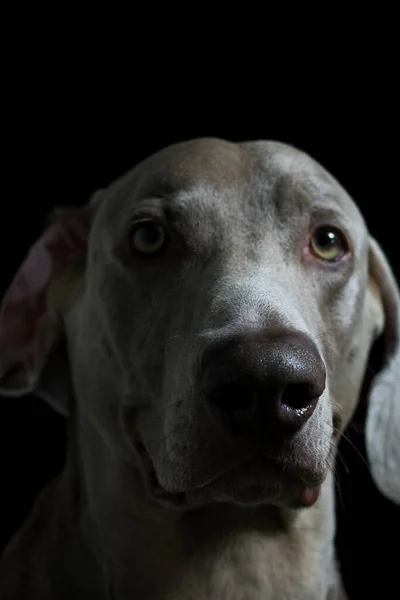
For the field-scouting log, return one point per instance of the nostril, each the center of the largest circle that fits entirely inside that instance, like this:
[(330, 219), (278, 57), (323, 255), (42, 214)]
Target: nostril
[(234, 405), (231, 397), (271, 381), (298, 397)]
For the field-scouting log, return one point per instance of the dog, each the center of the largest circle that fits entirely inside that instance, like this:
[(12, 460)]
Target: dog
[(210, 323)]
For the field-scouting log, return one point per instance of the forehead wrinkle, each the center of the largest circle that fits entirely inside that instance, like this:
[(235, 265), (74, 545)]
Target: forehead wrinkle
[(281, 166), (307, 195), (321, 187), (163, 186), (210, 214), (233, 191)]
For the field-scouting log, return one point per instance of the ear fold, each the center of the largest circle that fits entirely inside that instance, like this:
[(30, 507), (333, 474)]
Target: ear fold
[(30, 327), (383, 415)]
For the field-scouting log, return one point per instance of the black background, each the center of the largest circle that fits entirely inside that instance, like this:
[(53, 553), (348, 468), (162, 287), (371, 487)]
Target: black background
[(66, 137)]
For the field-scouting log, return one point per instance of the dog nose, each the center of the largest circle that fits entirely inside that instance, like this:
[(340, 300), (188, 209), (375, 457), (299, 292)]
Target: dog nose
[(269, 382)]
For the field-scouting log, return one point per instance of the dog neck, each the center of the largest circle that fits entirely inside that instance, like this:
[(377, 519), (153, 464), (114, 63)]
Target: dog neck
[(237, 553)]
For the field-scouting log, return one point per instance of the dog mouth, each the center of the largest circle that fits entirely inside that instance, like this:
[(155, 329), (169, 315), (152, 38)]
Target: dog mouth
[(266, 481), (257, 481), (155, 489)]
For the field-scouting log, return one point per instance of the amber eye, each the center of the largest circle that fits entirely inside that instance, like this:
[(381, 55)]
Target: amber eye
[(328, 243), (147, 237)]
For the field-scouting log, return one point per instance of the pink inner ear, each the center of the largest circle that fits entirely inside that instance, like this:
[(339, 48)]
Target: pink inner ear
[(27, 323)]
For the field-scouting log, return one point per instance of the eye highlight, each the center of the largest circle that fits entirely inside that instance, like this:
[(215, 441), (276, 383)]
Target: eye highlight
[(328, 244), (147, 237)]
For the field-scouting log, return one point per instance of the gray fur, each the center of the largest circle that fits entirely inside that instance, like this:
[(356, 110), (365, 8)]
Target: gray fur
[(135, 334)]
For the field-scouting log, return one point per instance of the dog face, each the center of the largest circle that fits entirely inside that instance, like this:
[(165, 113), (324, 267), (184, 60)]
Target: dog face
[(221, 333)]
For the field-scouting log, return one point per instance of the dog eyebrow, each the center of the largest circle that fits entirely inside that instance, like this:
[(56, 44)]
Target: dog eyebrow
[(165, 186)]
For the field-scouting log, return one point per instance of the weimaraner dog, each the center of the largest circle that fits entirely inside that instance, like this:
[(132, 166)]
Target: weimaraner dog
[(209, 322)]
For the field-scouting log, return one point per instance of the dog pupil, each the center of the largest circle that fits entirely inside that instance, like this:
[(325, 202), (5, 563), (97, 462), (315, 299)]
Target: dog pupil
[(326, 238), (149, 234)]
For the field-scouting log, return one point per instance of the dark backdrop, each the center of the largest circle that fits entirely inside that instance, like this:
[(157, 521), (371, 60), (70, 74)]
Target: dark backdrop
[(62, 145)]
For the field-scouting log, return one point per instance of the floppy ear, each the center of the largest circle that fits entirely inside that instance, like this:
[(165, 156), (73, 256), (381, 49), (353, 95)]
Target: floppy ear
[(33, 357), (383, 412)]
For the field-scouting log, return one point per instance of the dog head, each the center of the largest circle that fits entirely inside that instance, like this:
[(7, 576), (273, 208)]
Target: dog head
[(218, 313)]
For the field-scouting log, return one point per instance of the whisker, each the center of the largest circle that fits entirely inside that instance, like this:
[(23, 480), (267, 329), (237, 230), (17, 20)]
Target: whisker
[(353, 446), (253, 510), (336, 405), (165, 408), (341, 458), (337, 485), (331, 465), (166, 437), (173, 337), (170, 450)]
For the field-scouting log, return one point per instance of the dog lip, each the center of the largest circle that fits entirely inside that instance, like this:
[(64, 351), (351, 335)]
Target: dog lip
[(308, 486), (172, 499), (159, 493), (309, 495), (270, 484)]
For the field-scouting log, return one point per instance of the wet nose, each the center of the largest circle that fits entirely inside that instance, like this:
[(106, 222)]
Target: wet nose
[(264, 382)]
